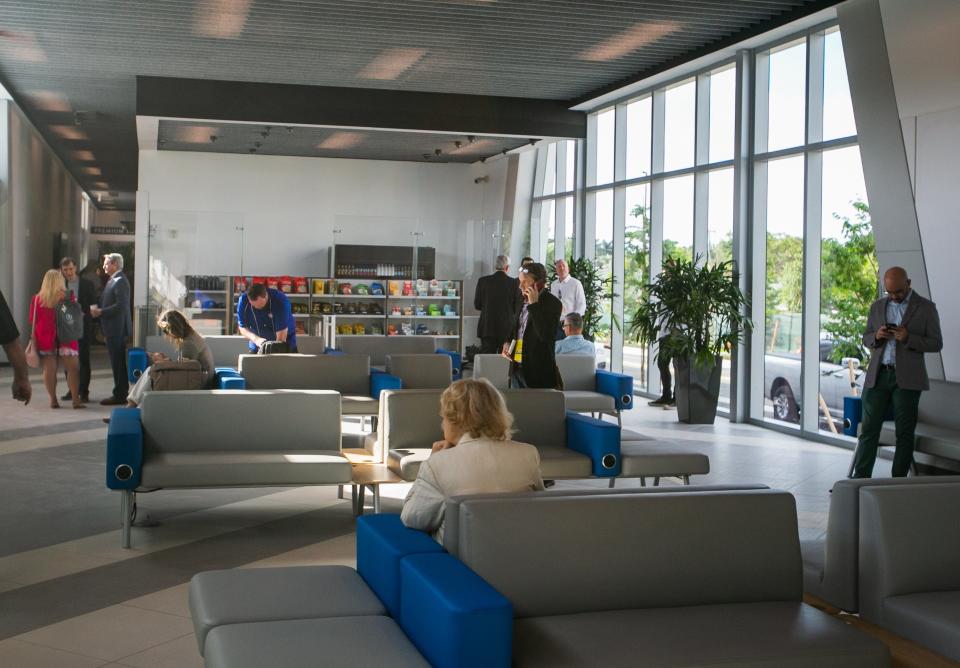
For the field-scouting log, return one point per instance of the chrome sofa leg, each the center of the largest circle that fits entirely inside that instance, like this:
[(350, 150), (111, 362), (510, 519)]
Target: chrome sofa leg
[(376, 499), (686, 479), (339, 491), (656, 481), (643, 481), (126, 508)]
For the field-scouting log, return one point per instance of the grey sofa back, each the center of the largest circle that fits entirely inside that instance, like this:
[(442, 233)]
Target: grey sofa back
[(562, 555), (539, 417), (838, 583), (211, 421), (579, 372), (938, 406), (310, 345), (227, 349), (425, 371), (347, 374), (492, 367), (378, 347), (909, 542), (409, 418)]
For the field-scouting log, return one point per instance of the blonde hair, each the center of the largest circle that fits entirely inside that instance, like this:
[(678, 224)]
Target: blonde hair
[(474, 406), (50, 289), (175, 325)]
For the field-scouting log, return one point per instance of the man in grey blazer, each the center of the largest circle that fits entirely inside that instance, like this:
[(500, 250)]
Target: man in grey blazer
[(116, 323), (901, 327)]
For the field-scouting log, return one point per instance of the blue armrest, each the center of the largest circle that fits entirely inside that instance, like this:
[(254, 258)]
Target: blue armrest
[(226, 371), (137, 363), (382, 541), (231, 383), (456, 361), (124, 449), (332, 351), (452, 615), (599, 440), (383, 381), (617, 385)]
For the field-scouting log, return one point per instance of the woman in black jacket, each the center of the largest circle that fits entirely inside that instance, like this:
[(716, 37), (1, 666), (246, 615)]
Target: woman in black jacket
[(533, 359)]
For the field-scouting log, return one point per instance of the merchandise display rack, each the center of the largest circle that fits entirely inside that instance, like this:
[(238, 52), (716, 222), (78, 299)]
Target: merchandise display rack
[(326, 306)]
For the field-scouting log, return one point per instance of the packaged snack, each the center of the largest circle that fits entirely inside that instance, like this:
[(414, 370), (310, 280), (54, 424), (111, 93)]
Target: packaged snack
[(361, 289), (286, 284), (391, 330), (408, 288), (240, 284), (376, 288), (359, 329), (433, 310), (300, 285), (273, 282), (318, 286), (345, 289)]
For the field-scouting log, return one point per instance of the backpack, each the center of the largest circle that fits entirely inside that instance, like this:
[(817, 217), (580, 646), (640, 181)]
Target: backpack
[(69, 322), (173, 375)]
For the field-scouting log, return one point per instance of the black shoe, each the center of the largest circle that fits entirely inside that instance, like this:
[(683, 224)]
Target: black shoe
[(662, 401), (670, 403), (113, 401), (85, 398), (67, 397)]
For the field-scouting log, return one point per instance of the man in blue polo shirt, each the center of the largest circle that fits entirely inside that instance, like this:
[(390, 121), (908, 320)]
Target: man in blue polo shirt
[(264, 314)]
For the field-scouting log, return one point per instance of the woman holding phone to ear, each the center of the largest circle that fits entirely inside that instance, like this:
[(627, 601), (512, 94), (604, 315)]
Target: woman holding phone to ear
[(532, 352)]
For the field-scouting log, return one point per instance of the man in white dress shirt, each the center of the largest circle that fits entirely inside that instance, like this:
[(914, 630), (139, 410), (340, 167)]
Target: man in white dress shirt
[(570, 293)]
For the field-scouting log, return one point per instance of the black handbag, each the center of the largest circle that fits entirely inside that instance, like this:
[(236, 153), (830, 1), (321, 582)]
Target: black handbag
[(273, 348), (69, 322)]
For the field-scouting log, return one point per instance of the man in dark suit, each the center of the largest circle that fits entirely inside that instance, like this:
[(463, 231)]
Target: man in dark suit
[(116, 323), (498, 300), (84, 291), (534, 363), (901, 327)]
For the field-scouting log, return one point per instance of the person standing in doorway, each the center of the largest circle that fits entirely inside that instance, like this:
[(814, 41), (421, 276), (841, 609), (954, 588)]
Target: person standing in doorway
[(10, 341), (664, 360), (533, 358), (51, 348), (901, 327), (498, 300), (116, 323), (85, 294), (569, 291)]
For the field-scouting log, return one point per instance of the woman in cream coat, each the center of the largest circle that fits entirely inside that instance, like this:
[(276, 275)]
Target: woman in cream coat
[(476, 455)]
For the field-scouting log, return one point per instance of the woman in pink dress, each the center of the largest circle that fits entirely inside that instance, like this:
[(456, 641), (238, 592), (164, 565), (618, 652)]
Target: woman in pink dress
[(43, 316)]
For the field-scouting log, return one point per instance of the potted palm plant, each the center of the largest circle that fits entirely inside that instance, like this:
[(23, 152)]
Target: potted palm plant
[(701, 311)]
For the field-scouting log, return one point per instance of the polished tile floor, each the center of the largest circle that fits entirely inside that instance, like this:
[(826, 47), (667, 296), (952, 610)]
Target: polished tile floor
[(71, 597)]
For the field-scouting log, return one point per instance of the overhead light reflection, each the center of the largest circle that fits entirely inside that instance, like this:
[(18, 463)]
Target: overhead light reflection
[(48, 100), (341, 140), (222, 19), (22, 46), (83, 156), (628, 41), (70, 132), (391, 63), (194, 134)]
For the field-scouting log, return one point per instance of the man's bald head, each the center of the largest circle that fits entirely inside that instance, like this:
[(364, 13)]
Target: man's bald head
[(896, 283)]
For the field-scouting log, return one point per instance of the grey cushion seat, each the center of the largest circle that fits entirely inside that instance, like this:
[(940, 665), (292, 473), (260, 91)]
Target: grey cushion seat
[(558, 463), (335, 642), (358, 404), (656, 459), (272, 594), (931, 619), (239, 468), (405, 462), (785, 633), (585, 400)]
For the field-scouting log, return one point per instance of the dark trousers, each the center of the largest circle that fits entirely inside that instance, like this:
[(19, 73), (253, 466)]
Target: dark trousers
[(666, 380), (876, 399), (83, 350), (517, 381), (491, 345), (117, 349)]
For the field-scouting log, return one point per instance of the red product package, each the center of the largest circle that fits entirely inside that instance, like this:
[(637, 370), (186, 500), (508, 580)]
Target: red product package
[(286, 284), (260, 279), (240, 284), (273, 282), (300, 285)]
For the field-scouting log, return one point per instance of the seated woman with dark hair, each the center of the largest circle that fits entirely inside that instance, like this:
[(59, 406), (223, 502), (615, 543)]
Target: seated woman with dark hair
[(190, 346), (476, 455)]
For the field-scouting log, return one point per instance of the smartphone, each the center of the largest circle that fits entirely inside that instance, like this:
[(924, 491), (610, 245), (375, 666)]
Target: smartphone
[(891, 325)]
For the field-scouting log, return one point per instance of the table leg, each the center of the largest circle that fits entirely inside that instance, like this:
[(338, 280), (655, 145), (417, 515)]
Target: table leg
[(376, 499)]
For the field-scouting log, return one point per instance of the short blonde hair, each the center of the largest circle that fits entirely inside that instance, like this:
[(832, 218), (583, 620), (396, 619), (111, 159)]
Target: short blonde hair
[(474, 406), (53, 283)]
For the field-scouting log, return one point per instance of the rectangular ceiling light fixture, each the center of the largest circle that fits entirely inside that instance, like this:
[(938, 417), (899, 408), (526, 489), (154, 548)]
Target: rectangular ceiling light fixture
[(92, 171), (83, 156), (48, 100), (627, 41), (194, 134), (221, 19), (21, 46), (341, 140), (71, 132), (391, 63)]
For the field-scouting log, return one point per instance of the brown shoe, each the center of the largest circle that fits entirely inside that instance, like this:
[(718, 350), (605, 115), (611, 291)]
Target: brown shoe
[(113, 401)]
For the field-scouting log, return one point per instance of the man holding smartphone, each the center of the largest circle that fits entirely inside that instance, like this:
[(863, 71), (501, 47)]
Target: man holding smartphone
[(901, 327), (531, 352)]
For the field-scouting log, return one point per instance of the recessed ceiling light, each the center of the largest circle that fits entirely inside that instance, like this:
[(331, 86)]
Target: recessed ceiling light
[(22, 46), (341, 140), (83, 156), (391, 63), (193, 134), (92, 171), (221, 19), (69, 132), (627, 41)]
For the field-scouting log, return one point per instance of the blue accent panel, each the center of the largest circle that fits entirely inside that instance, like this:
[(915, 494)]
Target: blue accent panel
[(383, 381), (852, 414), (598, 440), (456, 361), (232, 383), (452, 615), (124, 449), (382, 541), (617, 385), (333, 351), (226, 371), (137, 363)]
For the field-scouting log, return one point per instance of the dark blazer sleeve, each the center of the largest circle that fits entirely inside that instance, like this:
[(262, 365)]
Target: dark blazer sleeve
[(87, 296), (477, 295), (121, 293), (543, 318), (874, 322), (931, 340)]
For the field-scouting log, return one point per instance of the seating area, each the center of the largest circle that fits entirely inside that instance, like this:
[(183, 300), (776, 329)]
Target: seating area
[(938, 428)]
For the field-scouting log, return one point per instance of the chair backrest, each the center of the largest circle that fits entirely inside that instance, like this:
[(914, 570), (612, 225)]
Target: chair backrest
[(310, 345), (938, 407), (214, 420), (494, 368), (227, 349), (627, 551), (347, 374), (426, 371), (378, 347), (843, 534), (579, 372), (539, 417), (409, 419), (909, 542)]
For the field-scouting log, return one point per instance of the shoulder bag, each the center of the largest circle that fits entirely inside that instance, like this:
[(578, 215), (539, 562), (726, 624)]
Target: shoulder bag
[(176, 375)]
